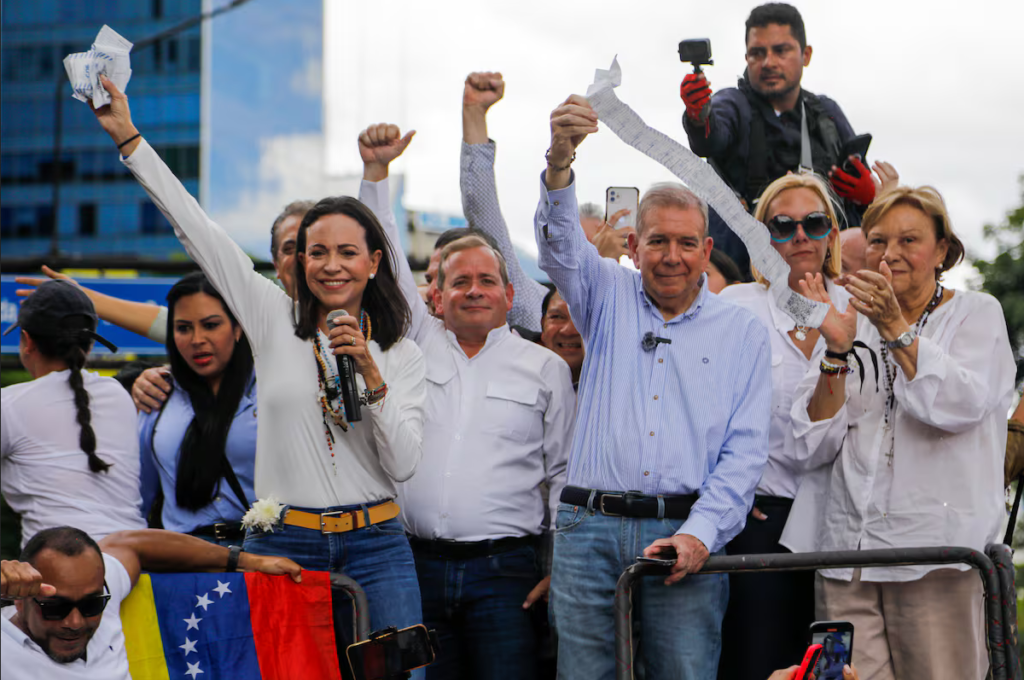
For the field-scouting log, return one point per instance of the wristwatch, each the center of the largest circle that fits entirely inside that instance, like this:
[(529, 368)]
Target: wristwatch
[(234, 554), (903, 340)]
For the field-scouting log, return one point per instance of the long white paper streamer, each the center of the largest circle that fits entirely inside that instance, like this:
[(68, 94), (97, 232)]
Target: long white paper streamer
[(702, 179)]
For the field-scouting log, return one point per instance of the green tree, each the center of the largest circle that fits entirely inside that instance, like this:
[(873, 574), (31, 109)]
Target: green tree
[(1004, 274)]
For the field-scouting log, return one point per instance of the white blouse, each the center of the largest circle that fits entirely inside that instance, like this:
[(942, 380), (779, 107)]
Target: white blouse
[(943, 485), (783, 472), (293, 461)]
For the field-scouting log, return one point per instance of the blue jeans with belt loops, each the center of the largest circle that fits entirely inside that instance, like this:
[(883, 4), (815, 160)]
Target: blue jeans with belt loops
[(679, 627), (378, 557)]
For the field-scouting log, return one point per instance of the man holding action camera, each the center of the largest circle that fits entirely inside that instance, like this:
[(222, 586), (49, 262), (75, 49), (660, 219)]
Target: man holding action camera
[(753, 134)]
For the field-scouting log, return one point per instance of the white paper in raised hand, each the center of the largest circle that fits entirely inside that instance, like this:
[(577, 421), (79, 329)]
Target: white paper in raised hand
[(108, 56), (702, 179)]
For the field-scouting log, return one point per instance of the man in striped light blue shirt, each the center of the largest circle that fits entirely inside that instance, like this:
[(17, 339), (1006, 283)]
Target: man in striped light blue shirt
[(673, 408)]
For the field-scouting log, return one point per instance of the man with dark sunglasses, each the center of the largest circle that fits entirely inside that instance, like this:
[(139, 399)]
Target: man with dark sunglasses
[(67, 592)]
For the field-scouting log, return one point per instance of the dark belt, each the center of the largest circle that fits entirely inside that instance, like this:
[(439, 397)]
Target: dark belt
[(762, 502), (222, 531), (468, 550), (630, 503)]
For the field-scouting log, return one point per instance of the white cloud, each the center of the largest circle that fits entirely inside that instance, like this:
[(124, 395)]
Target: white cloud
[(291, 167), (307, 82)]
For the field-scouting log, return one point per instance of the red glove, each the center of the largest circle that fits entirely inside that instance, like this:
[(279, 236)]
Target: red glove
[(696, 94), (860, 190)]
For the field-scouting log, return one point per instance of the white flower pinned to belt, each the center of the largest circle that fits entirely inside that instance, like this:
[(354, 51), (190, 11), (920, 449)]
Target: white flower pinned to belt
[(263, 515)]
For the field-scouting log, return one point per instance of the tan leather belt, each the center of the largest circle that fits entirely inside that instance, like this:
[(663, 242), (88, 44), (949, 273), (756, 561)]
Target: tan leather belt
[(341, 520)]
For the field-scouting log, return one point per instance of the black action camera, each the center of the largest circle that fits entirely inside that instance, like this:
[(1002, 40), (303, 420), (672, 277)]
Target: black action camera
[(696, 52)]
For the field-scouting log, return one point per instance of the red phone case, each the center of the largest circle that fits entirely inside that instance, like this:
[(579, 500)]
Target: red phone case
[(811, 657)]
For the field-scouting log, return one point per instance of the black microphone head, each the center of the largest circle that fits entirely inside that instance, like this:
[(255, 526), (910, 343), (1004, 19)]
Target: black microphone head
[(335, 314), (648, 343)]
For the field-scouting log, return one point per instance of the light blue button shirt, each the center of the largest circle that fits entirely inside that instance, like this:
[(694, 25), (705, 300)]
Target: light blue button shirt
[(160, 436), (690, 416)]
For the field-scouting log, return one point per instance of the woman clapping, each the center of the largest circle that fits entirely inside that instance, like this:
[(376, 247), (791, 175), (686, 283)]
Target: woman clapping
[(801, 222), (919, 444)]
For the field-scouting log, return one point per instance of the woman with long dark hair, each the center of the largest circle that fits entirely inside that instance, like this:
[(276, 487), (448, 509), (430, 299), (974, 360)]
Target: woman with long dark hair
[(324, 484), (199, 449), (69, 455)]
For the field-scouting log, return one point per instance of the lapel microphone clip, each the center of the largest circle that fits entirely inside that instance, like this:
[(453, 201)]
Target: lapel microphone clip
[(650, 341)]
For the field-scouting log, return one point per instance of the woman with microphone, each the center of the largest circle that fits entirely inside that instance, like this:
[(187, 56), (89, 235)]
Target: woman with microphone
[(324, 483)]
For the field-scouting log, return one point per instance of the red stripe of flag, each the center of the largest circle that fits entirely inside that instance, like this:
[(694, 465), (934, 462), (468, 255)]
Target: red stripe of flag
[(292, 626)]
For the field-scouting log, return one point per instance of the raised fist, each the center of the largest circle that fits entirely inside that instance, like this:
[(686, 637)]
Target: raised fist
[(382, 143), (483, 90)]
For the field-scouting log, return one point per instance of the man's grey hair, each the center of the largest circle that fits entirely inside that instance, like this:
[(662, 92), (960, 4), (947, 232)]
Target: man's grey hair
[(468, 243), (670, 195), (591, 210)]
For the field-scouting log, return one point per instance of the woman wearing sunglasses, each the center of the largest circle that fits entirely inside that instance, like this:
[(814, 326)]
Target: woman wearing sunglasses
[(801, 221)]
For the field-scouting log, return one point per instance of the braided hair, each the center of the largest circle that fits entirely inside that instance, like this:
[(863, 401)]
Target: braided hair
[(72, 347)]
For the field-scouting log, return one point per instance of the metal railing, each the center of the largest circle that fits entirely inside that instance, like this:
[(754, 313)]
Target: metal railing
[(996, 575)]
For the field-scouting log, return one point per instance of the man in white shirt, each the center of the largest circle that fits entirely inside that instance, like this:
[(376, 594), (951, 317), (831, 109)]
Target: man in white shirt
[(68, 589), (500, 415)]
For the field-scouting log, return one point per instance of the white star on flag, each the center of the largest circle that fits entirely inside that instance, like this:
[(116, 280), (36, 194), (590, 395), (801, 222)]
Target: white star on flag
[(189, 646), (192, 622), (222, 588), (204, 601), (193, 669)]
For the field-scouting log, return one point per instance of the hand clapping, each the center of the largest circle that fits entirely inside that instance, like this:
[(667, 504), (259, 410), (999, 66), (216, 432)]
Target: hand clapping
[(839, 330), (873, 296)]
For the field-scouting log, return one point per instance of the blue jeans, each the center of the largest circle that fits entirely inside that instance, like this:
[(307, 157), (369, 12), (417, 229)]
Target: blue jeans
[(679, 627), (476, 607), (378, 557)]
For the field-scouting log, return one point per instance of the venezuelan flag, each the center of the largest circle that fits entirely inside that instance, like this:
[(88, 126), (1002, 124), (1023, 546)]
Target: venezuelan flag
[(230, 626)]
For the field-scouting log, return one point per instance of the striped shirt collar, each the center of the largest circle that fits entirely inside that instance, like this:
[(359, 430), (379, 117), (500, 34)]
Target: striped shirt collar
[(691, 312)]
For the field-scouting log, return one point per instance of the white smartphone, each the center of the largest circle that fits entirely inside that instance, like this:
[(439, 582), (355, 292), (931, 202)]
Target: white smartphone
[(617, 198)]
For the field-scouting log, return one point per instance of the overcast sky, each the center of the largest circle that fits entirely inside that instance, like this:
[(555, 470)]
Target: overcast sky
[(937, 84)]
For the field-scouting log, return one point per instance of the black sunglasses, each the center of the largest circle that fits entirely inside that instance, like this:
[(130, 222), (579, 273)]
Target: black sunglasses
[(58, 608), (782, 228)]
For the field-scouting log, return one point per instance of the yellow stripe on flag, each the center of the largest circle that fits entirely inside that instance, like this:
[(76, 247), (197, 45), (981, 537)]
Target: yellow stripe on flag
[(142, 633)]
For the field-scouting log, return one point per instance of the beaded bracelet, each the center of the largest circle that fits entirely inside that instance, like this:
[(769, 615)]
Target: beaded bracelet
[(833, 369), (547, 157), (375, 395)]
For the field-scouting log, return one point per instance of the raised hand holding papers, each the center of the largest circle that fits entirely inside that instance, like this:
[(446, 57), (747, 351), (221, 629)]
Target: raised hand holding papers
[(108, 56), (705, 182)]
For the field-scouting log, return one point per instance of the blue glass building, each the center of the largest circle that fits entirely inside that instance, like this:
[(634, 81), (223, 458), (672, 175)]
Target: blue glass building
[(102, 210)]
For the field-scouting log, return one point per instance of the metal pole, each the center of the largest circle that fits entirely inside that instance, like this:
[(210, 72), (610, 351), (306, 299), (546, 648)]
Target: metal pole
[(998, 653), (58, 119), (1002, 556), (360, 605)]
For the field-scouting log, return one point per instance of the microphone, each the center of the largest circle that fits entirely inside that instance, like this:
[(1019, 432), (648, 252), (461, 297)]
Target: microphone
[(650, 341), (347, 371)]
